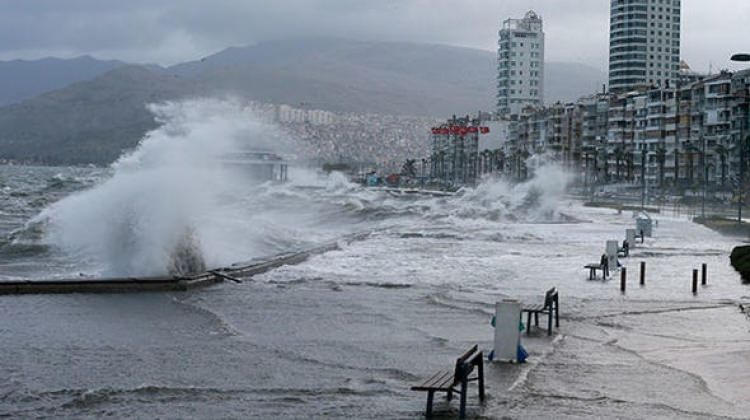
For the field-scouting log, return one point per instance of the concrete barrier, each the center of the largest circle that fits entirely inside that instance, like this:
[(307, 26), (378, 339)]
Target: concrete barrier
[(168, 283)]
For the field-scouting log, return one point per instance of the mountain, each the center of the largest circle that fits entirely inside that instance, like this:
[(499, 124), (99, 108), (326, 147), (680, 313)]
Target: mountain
[(384, 77), (93, 121), (25, 79), (566, 82), (87, 122)]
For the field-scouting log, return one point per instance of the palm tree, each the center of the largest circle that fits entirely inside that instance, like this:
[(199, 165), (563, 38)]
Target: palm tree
[(409, 169), (606, 166), (619, 154), (500, 160), (630, 166), (661, 158), (525, 155), (596, 165), (441, 160), (722, 152), (485, 162)]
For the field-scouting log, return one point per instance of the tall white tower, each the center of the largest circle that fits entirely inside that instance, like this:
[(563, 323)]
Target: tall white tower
[(644, 43), (520, 64)]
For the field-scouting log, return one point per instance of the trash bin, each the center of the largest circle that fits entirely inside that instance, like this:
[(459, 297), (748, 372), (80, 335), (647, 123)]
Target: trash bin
[(643, 225)]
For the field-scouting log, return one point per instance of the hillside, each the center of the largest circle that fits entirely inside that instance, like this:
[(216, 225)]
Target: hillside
[(25, 79), (358, 76), (87, 122), (93, 121)]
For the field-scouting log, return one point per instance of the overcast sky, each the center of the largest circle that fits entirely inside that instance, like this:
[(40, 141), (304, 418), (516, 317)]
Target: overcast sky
[(171, 31)]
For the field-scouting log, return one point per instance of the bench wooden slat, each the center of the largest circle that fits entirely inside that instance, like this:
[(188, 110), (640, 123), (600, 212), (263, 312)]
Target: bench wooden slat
[(534, 307), (447, 376), (445, 385), (435, 381), (468, 353), (429, 380)]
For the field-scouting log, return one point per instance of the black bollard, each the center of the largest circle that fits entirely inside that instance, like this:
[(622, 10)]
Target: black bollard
[(695, 281), (623, 278), (643, 273), (704, 278)]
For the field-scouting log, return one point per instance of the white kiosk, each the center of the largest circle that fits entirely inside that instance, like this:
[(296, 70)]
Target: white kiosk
[(612, 248), (630, 237), (507, 335)]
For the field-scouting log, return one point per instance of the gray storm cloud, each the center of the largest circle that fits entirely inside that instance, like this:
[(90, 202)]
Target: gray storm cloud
[(170, 31)]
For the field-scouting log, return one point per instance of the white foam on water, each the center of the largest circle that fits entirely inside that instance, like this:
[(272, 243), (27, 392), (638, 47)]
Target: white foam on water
[(170, 205)]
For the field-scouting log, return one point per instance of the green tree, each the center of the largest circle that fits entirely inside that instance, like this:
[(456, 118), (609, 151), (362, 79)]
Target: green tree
[(409, 168)]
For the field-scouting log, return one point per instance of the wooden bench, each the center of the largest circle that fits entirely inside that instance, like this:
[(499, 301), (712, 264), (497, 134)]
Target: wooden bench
[(551, 304), (603, 265), (447, 381), (592, 270), (625, 250)]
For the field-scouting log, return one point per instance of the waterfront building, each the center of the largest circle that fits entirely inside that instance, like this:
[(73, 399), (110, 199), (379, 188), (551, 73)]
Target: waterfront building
[(455, 159), (644, 44), (520, 64)]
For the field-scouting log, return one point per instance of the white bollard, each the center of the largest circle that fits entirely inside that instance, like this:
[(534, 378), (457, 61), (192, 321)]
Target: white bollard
[(507, 336), (612, 247), (630, 237)]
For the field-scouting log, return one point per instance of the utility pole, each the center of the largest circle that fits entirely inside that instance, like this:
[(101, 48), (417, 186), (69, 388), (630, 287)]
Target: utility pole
[(643, 179), (705, 179), (742, 145)]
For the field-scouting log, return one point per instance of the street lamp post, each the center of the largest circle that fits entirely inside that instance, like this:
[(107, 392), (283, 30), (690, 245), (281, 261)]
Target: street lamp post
[(741, 58), (739, 188), (643, 179), (705, 179)]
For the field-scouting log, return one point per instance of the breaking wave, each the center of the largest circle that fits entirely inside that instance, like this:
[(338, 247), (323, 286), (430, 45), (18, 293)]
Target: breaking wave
[(169, 206)]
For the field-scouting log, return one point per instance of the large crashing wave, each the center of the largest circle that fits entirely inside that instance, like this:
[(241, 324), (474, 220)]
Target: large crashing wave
[(161, 210), (535, 200)]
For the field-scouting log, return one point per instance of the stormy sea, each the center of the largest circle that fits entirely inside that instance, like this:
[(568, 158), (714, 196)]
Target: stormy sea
[(345, 333)]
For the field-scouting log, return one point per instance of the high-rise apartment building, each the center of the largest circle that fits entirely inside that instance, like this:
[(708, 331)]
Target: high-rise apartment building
[(520, 65), (644, 44)]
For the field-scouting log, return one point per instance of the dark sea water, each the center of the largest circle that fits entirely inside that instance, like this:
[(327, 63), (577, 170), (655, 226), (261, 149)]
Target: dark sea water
[(346, 333)]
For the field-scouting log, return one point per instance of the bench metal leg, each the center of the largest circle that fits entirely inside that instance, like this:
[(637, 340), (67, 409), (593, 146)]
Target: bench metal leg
[(557, 314), (480, 372), (536, 318), (429, 403), (462, 408), (449, 395), (549, 321)]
